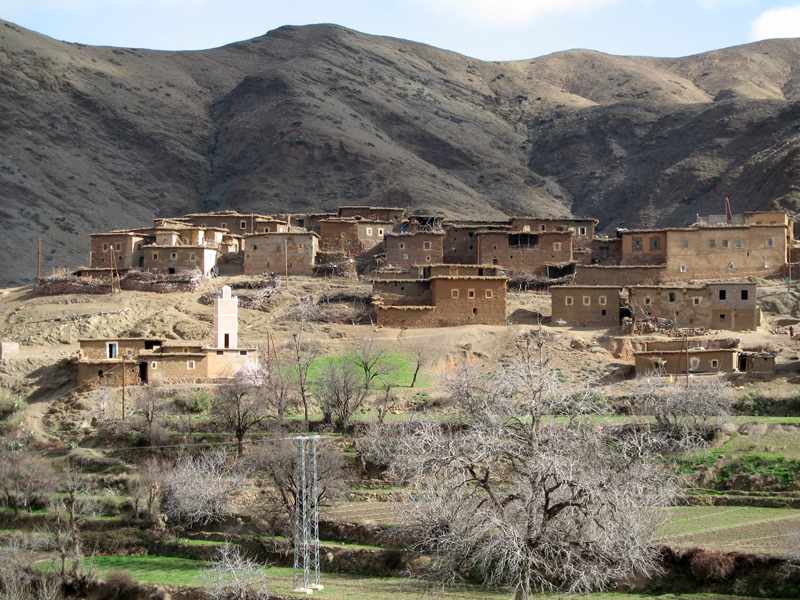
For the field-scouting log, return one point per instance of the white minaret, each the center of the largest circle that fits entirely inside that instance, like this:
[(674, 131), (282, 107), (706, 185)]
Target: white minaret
[(226, 319)]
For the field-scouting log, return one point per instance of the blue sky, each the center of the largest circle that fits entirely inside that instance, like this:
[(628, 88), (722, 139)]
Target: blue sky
[(484, 29)]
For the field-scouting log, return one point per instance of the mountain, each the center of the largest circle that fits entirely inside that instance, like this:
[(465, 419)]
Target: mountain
[(310, 118)]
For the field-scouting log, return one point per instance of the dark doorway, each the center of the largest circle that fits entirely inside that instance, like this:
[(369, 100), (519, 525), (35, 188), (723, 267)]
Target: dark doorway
[(143, 371), (227, 340)]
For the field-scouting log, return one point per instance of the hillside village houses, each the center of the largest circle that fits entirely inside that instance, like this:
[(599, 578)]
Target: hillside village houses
[(452, 271), (137, 361)]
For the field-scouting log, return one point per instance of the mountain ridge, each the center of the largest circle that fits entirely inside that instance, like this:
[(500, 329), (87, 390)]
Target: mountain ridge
[(312, 117)]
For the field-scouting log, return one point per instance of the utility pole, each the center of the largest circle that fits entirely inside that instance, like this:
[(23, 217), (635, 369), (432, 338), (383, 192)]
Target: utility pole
[(286, 260), (39, 263), (123, 387)]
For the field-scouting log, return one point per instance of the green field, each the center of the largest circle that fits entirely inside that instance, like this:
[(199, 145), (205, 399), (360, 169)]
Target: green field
[(178, 571)]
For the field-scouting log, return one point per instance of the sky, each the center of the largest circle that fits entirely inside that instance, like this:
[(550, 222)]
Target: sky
[(483, 29)]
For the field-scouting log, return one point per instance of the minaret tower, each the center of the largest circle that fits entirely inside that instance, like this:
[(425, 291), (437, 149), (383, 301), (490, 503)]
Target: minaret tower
[(226, 319)]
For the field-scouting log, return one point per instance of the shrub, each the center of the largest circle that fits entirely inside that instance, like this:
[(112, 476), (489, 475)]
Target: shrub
[(712, 565), (195, 402), (10, 404), (119, 585)]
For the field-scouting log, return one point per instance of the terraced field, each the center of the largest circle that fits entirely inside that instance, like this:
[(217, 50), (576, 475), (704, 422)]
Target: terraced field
[(731, 528), (380, 513)]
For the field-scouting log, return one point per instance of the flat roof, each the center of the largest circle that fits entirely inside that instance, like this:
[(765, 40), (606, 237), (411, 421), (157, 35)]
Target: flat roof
[(279, 233), (123, 339)]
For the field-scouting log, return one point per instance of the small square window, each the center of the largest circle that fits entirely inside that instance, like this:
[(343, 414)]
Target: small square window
[(224, 225), (721, 316), (568, 300), (155, 255), (427, 246), (402, 246), (154, 365), (636, 244), (744, 294), (488, 293), (738, 243), (683, 268), (105, 247), (190, 365), (602, 300), (242, 352), (556, 246), (405, 256), (769, 241), (380, 231), (118, 246), (470, 293), (581, 230), (655, 243), (173, 255), (696, 301), (730, 266), (724, 243), (454, 293), (714, 363), (428, 258), (192, 256), (220, 352), (695, 363), (723, 295), (369, 230), (587, 300), (684, 243), (647, 301), (672, 296), (712, 243), (243, 225)]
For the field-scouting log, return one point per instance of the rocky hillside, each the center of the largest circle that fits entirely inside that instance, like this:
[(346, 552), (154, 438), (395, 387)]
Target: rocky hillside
[(309, 118)]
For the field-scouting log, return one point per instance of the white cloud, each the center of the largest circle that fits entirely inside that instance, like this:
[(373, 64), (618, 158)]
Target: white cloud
[(777, 23), (506, 12)]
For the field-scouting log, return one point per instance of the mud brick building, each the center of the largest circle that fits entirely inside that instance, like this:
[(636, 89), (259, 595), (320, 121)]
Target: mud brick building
[(445, 295), (295, 253), (352, 236), (237, 223), (522, 250), (138, 361), (700, 356), (581, 306), (460, 245), (722, 305), (406, 249), (392, 215), (582, 230), (125, 246)]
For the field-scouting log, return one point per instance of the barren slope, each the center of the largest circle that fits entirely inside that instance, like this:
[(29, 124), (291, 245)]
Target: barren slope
[(309, 118)]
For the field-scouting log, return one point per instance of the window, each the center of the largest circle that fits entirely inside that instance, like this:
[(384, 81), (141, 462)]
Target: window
[(186, 350), (723, 295), (224, 225), (242, 352), (684, 243), (474, 311), (155, 255), (724, 243), (454, 293), (220, 352), (766, 265), (744, 294), (738, 243), (118, 246), (542, 227), (488, 293), (280, 228), (683, 268), (426, 246), (587, 301), (672, 296), (655, 243), (696, 301), (111, 349), (470, 293), (428, 258), (154, 365), (380, 231), (769, 242), (369, 230), (568, 300), (556, 246), (173, 255), (712, 243), (526, 228), (695, 363), (243, 225), (105, 247), (602, 300), (192, 256), (402, 246), (581, 230), (255, 247), (721, 316), (647, 301), (603, 312), (636, 244), (405, 256), (714, 363), (189, 365), (730, 266)]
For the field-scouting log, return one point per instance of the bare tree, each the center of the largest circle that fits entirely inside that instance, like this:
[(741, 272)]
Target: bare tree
[(273, 384), (234, 576), (197, 489), (19, 578), (372, 360), (150, 409), (146, 487), (24, 478), (340, 391), (304, 353), (238, 408), (530, 503), (276, 460), (687, 417), (421, 358)]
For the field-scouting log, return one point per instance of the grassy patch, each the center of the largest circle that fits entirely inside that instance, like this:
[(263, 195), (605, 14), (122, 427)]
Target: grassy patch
[(760, 464)]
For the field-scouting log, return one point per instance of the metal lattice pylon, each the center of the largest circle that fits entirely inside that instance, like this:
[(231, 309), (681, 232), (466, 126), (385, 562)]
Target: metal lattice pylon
[(306, 518)]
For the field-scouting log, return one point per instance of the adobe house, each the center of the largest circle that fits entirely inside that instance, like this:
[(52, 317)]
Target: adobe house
[(406, 249), (460, 245), (237, 223), (582, 230), (687, 305), (606, 251), (421, 222), (392, 215), (734, 306), (669, 357), (581, 306), (351, 236), (525, 251), (441, 300), (138, 361), (123, 244), (295, 253), (310, 221), (643, 246), (759, 365)]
